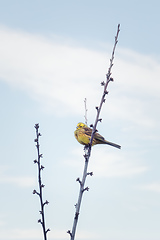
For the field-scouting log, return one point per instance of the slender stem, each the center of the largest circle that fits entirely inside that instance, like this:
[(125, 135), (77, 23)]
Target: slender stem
[(88, 148), (85, 106), (108, 79), (78, 205), (41, 186)]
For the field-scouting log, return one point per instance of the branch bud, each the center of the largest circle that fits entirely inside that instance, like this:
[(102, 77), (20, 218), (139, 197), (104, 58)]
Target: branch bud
[(69, 232), (102, 83), (42, 167), (48, 230), (78, 180), (39, 221), (36, 125), (106, 92), (76, 215), (86, 189), (45, 203), (90, 173), (35, 192)]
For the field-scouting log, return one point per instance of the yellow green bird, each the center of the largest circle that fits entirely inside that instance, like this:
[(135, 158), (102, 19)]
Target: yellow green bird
[(83, 135)]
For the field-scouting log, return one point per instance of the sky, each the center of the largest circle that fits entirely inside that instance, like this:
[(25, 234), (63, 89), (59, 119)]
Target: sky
[(53, 55)]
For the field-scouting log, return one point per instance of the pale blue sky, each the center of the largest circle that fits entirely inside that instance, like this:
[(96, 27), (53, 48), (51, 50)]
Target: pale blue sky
[(53, 54), (87, 20)]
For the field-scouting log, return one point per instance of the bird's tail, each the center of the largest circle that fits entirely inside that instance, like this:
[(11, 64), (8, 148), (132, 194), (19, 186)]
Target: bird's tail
[(112, 144)]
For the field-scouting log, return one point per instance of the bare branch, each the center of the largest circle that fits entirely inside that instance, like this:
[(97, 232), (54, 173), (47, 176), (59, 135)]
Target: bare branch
[(40, 184), (87, 148)]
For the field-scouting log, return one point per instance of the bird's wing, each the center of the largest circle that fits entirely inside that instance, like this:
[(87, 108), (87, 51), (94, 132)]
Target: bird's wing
[(97, 136), (87, 131)]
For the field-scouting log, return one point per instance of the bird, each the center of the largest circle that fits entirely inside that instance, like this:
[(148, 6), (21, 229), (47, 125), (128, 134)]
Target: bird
[(83, 135)]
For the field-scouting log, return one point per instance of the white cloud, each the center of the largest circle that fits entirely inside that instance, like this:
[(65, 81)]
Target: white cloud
[(17, 233), (61, 75), (154, 187), (2, 223), (109, 163), (140, 72), (20, 181), (23, 234), (116, 165), (58, 74)]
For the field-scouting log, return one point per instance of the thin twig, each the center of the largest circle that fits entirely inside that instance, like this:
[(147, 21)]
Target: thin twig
[(105, 92), (87, 149), (85, 106), (41, 186)]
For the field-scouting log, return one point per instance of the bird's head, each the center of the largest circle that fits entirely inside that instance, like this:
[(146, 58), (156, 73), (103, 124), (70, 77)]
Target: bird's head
[(81, 125)]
